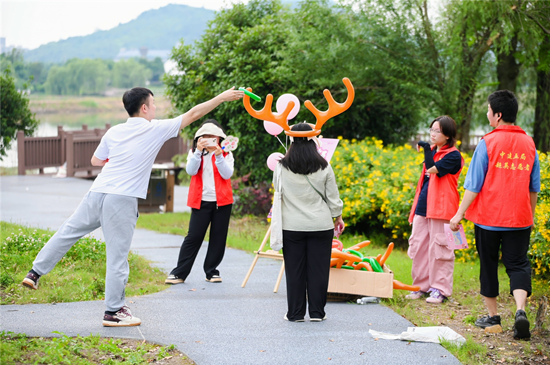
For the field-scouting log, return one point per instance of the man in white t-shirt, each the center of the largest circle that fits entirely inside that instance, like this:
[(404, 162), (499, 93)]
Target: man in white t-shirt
[(127, 153)]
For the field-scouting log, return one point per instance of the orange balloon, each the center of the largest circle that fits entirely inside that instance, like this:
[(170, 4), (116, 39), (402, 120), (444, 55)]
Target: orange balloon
[(400, 286), (365, 265), (386, 254), (360, 245)]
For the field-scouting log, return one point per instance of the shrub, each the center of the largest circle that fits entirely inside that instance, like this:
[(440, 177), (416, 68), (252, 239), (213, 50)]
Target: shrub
[(251, 198), (377, 184)]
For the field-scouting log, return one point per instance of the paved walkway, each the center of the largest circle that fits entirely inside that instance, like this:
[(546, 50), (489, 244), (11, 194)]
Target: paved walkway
[(211, 323)]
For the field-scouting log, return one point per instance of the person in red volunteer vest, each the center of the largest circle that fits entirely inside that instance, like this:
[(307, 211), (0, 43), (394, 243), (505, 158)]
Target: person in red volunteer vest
[(435, 201), (501, 190), (211, 199)]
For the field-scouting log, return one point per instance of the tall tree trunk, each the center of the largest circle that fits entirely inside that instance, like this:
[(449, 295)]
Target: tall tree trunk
[(464, 110), (541, 129), (508, 67)]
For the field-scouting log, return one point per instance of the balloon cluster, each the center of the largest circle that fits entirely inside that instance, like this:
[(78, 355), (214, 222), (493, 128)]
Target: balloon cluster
[(275, 129)]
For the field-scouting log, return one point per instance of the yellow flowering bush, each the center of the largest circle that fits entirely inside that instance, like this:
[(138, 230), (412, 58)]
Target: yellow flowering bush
[(539, 252), (377, 184)]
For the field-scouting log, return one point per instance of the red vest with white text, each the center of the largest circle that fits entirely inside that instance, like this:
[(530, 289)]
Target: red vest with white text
[(504, 199), (443, 197), (224, 192)]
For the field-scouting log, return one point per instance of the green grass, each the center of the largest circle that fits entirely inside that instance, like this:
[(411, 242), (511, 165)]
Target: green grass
[(20, 349), (470, 352), (245, 233), (79, 276)]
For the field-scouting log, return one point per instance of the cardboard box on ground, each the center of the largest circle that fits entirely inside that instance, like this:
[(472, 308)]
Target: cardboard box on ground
[(359, 282)]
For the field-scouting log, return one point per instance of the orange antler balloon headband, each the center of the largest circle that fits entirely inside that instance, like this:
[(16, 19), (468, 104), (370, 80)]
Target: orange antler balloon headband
[(333, 110)]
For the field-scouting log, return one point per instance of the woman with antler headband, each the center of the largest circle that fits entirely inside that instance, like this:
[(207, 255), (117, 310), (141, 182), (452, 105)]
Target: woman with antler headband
[(310, 203)]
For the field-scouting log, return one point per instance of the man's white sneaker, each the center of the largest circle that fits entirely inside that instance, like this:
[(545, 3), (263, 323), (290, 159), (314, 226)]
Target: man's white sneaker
[(122, 318)]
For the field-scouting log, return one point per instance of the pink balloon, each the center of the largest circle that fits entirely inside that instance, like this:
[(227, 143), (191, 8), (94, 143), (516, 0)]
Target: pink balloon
[(273, 159), (272, 128), (283, 101)]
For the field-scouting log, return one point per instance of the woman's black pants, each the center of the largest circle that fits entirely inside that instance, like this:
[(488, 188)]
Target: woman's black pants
[(307, 267), (218, 219)]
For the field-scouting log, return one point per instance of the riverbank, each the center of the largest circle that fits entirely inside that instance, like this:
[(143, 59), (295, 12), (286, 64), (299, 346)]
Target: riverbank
[(63, 104)]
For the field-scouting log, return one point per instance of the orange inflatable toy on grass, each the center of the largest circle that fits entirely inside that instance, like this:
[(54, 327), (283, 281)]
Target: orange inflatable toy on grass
[(352, 259)]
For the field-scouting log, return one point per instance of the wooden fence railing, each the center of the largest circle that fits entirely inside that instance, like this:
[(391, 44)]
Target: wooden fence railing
[(76, 149)]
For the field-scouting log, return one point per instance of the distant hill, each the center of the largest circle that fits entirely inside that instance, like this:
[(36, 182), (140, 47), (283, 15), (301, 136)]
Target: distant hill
[(159, 29)]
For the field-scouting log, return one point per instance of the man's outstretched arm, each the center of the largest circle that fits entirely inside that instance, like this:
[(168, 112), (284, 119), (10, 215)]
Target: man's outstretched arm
[(198, 111)]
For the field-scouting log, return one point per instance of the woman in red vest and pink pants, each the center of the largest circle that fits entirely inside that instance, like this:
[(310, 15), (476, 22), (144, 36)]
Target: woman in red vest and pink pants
[(435, 203), (211, 199)]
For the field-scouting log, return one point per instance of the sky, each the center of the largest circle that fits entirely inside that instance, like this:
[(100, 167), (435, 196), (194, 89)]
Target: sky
[(32, 23)]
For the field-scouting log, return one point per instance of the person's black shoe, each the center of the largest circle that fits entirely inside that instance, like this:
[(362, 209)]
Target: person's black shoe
[(488, 321), (521, 326)]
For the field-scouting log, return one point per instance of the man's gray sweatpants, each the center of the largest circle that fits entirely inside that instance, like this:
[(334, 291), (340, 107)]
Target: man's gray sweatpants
[(117, 215)]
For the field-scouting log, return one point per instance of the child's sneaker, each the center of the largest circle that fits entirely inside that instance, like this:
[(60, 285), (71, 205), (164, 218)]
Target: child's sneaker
[(173, 279), (122, 318), (31, 280), (435, 297), (521, 326), (416, 295), (489, 322)]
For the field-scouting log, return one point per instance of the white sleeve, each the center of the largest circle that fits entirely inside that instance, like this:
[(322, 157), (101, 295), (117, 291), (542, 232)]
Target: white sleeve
[(225, 165), (102, 150), (193, 162), (167, 128)]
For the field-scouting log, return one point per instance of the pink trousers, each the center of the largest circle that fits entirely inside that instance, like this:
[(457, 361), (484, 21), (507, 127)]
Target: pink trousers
[(433, 259)]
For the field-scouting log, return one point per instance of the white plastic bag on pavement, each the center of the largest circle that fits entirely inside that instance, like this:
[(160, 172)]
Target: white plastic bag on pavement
[(423, 334)]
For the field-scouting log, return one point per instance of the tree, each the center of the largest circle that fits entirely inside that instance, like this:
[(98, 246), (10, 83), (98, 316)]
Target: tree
[(156, 66), (525, 42), (130, 73), (277, 50), (15, 112), (470, 30), (388, 62), (539, 13), (78, 77), (243, 46), (28, 75)]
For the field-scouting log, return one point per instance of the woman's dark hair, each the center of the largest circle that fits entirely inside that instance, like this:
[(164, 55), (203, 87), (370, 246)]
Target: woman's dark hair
[(134, 98), (448, 128), (211, 121), (505, 102), (302, 156)]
